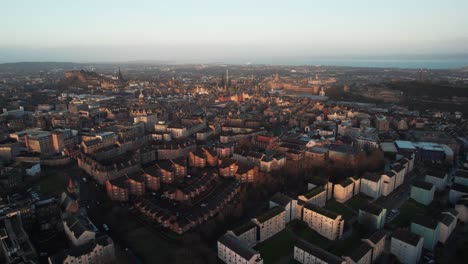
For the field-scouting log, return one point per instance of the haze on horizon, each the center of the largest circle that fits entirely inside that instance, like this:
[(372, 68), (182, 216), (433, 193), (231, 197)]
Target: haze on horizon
[(241, 31)]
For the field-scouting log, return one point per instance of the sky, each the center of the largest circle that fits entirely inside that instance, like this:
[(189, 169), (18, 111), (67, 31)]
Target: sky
[(218, 30)]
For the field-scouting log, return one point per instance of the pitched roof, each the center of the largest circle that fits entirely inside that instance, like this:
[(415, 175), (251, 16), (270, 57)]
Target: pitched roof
[(244, 228), (360, 252), (437, 173), (371, 176), (372, 208), (446, 219), (269, 214), (407, 237), (325, 256), (377, 236), (281, 199), (314, 192), (237, 246), (321, 211), (423, 185), (426, 222)]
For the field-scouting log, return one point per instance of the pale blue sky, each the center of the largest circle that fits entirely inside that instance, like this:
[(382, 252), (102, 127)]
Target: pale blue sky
[(92, 30)]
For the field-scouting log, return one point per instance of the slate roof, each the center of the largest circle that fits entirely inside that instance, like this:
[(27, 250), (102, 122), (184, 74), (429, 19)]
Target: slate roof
[(269, 214), (318, 252), (360, 252), (372, 208), (237, 246), (407, 237), (321, 211), (423, 185), (281, 199), (371, 177), (377, 236)]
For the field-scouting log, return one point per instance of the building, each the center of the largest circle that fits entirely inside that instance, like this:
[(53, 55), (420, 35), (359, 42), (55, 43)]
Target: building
[(246, 233), (428, 229), (388, 183), (246, 173), (197, 158), (99, 250), (372, 216), (457, 191), (422, 192), (461, 177), (270, 223), (447, 223), (381, 123), (462, 208), (344, 190), (117, 189), (79, 229), (400, 173), (406, 246), (438, 178), (325, 222), (152, 179), (15, 246), (233, 251), (40, 143), (287, 203), (377, 241), (307, 253), (316, 196), (371, 185), (136, 183), (360, 255)]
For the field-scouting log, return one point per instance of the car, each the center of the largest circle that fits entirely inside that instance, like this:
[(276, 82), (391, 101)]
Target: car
[(105, 227), (85, 180), (43, 254), (394, 211)]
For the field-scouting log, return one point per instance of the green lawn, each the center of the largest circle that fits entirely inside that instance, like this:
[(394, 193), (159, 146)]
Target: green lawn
[(408, 211), (357, 201), (278, 246), (303, 231), (346, 246), (341, 209)]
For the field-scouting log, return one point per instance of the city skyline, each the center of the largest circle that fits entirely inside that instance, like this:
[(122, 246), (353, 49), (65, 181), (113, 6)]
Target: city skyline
[(240, 32)]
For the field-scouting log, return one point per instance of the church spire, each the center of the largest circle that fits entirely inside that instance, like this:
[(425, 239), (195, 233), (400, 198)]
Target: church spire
[(120, 76)]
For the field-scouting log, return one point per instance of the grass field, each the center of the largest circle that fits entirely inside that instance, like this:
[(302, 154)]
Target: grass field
[(357, 201), (305, 232), (341, 209), (278, 246), (408, 211), (346, 246)]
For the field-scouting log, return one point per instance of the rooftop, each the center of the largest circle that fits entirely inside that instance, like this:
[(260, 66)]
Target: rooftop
[(407, 237), (269, 214), (237, 246), (423, 185), (322, 211), (325, 256)]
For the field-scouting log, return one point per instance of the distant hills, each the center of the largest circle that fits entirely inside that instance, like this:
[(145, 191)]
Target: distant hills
[(25, 67)]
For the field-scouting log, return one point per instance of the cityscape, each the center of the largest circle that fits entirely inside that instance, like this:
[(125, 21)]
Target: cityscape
[(252, 148)]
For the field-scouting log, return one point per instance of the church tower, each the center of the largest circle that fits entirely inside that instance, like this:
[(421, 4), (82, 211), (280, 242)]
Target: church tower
[(120, 76), (141, 98)]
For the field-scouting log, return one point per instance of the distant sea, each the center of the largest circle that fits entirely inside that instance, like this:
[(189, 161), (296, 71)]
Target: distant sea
[(410, 63)]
